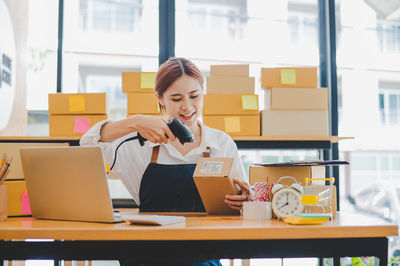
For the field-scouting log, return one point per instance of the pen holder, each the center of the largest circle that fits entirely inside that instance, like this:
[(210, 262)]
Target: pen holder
[(257, 210), (3, 202)]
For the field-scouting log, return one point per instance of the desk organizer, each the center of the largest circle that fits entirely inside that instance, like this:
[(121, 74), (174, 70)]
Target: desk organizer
[(318, 195)]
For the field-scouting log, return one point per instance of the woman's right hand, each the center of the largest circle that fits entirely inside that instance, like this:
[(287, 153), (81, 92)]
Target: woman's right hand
[(152, 128)]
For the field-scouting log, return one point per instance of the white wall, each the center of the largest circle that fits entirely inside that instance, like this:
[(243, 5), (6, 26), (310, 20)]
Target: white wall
[(19, 16)]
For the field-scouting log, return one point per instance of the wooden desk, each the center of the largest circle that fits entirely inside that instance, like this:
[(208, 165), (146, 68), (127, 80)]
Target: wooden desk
[(200, 238)]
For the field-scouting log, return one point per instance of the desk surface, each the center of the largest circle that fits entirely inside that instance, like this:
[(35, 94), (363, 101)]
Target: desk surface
[(197, 228)]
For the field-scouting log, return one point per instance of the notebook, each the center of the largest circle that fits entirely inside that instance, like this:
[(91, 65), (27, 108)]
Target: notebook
[(68, 183)]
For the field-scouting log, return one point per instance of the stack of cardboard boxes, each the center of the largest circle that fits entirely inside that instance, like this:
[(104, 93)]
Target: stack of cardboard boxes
[(294, 106), (139, 87), (17, 195), (73, 114), (231, 104)]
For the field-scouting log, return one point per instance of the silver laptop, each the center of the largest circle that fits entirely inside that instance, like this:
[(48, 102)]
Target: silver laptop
[(68, 183)]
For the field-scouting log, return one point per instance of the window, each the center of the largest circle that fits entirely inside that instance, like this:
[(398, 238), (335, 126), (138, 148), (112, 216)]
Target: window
[(388, 33), (389, 103), (110, 16), (102, 39)]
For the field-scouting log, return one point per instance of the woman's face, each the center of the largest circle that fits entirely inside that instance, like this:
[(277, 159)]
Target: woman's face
[(183, 100)]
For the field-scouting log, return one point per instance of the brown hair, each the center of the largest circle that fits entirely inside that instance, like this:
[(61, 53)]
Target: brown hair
[(173, 69)]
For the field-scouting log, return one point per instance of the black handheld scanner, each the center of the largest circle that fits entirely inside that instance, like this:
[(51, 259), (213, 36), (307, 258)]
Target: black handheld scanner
[(179, 129)]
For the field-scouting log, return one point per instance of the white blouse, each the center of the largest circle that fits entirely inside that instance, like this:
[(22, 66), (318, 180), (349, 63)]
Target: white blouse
[(133, 159)]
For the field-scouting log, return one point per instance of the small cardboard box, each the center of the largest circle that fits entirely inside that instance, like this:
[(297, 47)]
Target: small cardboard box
[(142, 103), (138, 81), (234, 104), (240, 125), (17, 198), (212, 180), (230, 85), (72, 125), (295, 123), (12, 151), (77, 103), (293, 77), (298, 99), (229, 70)]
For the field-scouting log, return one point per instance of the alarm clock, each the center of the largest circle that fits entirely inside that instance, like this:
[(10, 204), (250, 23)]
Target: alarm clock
[(286, 200)]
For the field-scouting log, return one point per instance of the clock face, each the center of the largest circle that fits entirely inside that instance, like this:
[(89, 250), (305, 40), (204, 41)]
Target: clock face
[(286, 202)]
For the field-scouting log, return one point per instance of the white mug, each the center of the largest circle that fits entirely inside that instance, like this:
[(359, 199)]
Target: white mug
[(257, 210)]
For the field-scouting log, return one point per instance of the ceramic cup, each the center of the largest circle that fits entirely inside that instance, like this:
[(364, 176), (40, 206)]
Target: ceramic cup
[(257, 210)]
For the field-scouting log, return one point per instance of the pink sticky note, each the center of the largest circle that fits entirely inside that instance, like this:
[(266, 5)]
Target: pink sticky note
[(25, 206), (82, 124)]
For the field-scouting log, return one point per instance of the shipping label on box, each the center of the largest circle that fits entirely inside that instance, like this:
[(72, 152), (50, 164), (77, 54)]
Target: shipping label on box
[(230, 85), (138, 81), (143, 103), (299, 99), (229, 70), (212, 179), (303, 77), (72, 125), (295, 123), (240, 125), (77, 103), (234, 104)]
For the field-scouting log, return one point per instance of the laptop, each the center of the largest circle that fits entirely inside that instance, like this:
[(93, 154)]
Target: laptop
[(68, 183)]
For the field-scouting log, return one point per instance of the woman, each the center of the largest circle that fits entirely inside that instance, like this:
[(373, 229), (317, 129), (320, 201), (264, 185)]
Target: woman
[(159, 175)]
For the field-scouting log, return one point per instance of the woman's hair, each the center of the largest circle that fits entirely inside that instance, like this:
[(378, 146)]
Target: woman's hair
[(173, 69)]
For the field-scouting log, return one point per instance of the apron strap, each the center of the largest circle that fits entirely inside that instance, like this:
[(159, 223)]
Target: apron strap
[(154, 154), (207, 153)]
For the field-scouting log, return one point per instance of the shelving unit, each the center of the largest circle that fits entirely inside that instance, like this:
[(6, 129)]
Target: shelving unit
[(261, 142)]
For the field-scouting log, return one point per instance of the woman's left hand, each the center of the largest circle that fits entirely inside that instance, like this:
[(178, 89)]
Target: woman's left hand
[(236, 201)]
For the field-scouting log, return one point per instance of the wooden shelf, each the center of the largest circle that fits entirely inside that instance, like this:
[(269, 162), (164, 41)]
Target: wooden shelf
[(255, 142), (287, 142)]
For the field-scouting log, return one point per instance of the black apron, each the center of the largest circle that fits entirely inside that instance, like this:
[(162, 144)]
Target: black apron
[(171, 188)]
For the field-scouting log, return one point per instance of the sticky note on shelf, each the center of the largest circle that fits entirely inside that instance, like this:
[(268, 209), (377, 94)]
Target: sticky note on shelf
[(249, 102), (232, 124), (81, 125), (25, 205), (76, 103), (288, 76), (147, 80)]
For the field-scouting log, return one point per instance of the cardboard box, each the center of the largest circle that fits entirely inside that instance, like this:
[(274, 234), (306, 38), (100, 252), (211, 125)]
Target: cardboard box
[(143, 103), (294, 123), (241, 125), (298, 99), (17, 198), (72, 125), (234, 104), (138, 81), (229, 70), (260, 174), (12, 150), (289, 77), (212, 180), (77, 103), (230, 85)]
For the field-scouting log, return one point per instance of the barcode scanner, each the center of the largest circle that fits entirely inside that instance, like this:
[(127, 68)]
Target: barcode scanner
[(179, 129)]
